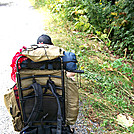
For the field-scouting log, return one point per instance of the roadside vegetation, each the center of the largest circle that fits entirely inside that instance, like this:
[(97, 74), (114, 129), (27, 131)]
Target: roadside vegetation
[(101, 36)]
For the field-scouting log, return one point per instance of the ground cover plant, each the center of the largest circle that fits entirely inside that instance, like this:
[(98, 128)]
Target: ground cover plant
[(107, 92)]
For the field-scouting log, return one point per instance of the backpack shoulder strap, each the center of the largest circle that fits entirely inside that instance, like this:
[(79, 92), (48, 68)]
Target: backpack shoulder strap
[(37, 105), (38, 102), (52, 87)]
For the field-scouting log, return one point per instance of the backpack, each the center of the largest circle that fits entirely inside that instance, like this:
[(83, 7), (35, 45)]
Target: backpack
[(71, 102), (31, 84)]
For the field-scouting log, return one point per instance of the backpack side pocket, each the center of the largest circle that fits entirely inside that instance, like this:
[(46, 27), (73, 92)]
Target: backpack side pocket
[(13, 109)]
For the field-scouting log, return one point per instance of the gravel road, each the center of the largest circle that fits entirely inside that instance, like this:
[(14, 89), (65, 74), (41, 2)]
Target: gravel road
[(20, 25)]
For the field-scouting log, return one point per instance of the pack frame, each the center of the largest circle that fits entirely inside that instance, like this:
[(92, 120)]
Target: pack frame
[(27, 124)]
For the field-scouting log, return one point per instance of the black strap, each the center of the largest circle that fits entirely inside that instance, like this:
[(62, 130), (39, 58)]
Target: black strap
[(38, 103), (75, 61), (46, 53), (33, 131), (51, 84)]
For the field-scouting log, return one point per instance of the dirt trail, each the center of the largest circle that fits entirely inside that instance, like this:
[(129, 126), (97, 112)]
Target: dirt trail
[(20, 25)]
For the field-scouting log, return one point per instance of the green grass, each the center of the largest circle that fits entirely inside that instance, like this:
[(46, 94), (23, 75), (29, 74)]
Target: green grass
[(107, 84)]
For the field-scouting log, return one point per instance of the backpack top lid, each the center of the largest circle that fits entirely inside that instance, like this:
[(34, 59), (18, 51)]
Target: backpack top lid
[(45, 52), (50, 52)]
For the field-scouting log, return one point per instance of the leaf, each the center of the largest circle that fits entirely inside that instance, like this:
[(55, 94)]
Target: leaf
[(113, 13), (81, 46), (80, 11), (117, 63), (103, 36)]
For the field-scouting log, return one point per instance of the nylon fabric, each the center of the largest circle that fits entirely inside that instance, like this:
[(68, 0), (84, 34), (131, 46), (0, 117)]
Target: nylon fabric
[(71, 90), (12, 107), (72, 101), (48, 52)]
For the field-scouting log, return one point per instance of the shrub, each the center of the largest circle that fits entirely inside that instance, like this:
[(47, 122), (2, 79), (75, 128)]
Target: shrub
[(116, 21)]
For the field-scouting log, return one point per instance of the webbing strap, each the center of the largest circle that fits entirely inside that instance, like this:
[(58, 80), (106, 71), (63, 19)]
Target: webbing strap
[(38, 103), (59, 117)]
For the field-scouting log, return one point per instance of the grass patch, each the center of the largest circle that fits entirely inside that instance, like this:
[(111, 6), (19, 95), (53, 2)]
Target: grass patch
[(107, 84)]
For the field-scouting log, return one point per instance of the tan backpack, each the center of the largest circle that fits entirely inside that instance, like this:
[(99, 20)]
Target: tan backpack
[(71, 88), (71, 98)]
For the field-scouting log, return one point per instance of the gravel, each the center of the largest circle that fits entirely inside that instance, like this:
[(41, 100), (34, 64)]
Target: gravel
[(20, 25)]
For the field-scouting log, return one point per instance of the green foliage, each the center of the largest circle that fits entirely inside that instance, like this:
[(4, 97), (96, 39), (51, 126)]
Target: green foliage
[(39, 3), (92, 16), (122, 67), (82, 24)]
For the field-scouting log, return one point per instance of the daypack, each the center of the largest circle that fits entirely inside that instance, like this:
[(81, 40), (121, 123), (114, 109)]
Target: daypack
[(69, 59)]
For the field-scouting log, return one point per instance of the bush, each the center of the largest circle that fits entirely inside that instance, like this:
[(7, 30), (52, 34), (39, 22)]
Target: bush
[(115, 21)]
